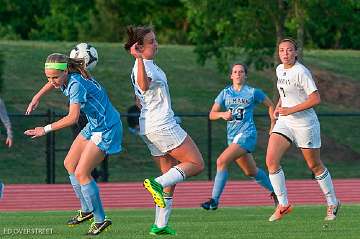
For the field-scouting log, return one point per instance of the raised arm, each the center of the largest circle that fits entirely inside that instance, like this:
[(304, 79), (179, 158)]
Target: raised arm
[(142, 80), (215, 113), (70, 119), (36, 99)]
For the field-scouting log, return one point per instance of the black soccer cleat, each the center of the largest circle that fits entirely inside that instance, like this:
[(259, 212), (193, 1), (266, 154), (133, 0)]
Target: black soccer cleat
[(80, 218), (97, 228), (210, 205)]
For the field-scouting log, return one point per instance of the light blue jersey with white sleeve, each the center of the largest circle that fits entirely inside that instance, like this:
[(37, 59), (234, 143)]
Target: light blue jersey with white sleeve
[(241, 128), (95, 104)]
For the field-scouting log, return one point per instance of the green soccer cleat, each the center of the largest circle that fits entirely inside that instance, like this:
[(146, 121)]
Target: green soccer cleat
[(80, 218), (97, 228), (156, 191), (154, 230), (152, 227)]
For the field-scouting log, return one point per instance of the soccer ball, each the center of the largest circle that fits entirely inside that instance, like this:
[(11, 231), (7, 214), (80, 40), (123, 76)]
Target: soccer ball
[(86, 51)]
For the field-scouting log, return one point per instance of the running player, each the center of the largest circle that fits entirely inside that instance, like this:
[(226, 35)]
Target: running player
[(102, 135), (9, 135), (167, 141), (238, 102), (297, 123)]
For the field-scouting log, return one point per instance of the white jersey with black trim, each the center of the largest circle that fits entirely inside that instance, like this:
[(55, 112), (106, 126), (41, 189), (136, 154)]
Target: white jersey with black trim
[(156, 113), (295, 84)]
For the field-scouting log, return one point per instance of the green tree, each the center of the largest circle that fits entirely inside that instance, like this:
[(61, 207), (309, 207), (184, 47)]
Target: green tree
[(18, 17), (65, 20), (219, 25), (110, 18), (257, 26), (333, 23)]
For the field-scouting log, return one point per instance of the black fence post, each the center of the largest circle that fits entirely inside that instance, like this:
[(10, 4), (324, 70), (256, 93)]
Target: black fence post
[(48, 150), (209, 148), (53, 143), (105, 169)]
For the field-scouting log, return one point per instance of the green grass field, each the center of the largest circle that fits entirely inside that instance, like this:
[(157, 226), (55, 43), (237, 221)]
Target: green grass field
[(192, 87), (235, 222)]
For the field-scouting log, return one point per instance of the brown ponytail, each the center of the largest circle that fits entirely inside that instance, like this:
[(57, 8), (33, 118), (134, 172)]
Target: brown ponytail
[(136, 35)]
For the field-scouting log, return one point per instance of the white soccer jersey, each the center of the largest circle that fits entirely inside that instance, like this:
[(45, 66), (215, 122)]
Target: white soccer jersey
[(156, 112), (294, 86)]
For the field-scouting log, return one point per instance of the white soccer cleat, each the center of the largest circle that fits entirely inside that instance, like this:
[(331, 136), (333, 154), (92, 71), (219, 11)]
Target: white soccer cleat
[(332, 210)]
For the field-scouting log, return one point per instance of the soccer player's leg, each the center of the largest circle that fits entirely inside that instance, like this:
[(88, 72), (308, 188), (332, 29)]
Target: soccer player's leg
[(230, 154), (278, 145), (248, 166), (70, 163), (323, 177), (161, 227), (162, 215), (191, 164), (150, 184), (90, 158), (309, 141)]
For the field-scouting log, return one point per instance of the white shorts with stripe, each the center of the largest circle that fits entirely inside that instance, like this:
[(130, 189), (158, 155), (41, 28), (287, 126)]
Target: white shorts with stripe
[(301, 136), (162, 141)]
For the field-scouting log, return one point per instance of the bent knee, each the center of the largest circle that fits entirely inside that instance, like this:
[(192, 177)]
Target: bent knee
[(81, 175), (316, 168), (201, 165), (69, 165), (272, 164), (221, 163)]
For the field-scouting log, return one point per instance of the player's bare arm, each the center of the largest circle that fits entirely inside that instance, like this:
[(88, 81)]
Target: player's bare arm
[(216, 113), (313, 100), (36, 99), (268, 103), (142, 80), (68, 120)]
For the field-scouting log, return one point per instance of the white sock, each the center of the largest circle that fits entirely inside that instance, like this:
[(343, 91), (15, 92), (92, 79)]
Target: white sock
[(157, 210), (164, 213), (171, 177), (327, 187), (277, 180)]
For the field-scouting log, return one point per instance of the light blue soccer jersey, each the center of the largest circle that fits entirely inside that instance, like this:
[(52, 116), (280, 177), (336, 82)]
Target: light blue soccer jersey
[(241, 104), (93, 100)]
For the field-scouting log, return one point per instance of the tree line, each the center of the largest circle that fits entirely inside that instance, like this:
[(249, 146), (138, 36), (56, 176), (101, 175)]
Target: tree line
[(215, 27)]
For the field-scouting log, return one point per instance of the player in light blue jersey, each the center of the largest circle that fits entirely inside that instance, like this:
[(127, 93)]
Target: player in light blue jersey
[(102, 135), (238, 102)]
